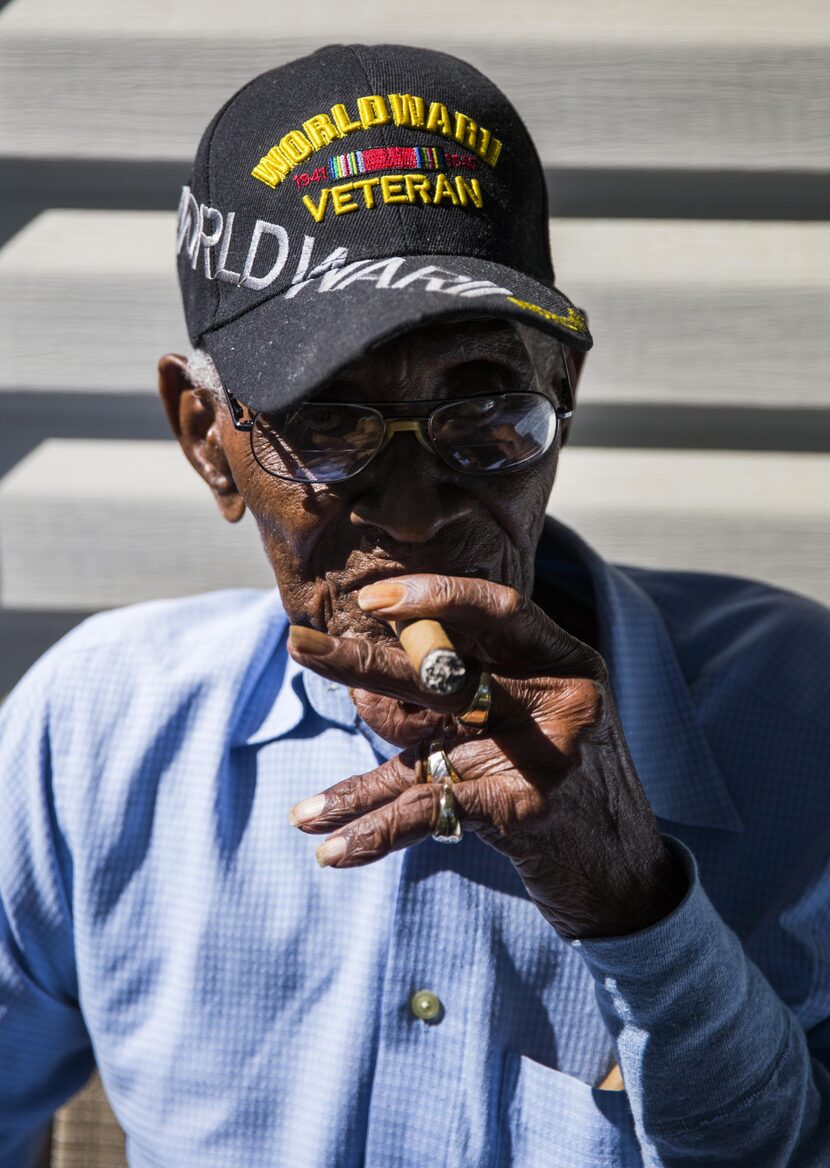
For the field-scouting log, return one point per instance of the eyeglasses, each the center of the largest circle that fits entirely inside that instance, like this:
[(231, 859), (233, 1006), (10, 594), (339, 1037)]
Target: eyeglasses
[(329, 442)]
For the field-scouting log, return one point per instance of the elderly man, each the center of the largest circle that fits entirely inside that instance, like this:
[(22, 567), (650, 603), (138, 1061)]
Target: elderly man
[(626, 960)]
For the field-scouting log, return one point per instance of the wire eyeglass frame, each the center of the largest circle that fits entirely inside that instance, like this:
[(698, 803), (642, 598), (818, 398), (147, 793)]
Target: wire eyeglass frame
[(416, 423)]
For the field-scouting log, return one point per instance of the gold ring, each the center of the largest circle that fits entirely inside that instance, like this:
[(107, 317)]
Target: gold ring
[(478, 711), (439, 769), (447, 829)]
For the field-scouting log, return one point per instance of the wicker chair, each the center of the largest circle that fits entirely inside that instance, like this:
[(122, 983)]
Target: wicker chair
[(85, 1133)]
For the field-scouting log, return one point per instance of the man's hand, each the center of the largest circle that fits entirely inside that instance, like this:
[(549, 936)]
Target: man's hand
[(549, 783)]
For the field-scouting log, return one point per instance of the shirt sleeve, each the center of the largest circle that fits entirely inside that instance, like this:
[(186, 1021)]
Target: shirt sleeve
[(45, 1053), (717, 1068)]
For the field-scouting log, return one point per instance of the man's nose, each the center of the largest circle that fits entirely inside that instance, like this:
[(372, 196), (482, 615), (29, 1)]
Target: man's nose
[(410, 494)]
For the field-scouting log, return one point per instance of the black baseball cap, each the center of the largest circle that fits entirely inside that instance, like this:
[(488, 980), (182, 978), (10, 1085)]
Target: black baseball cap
[(352, 195)]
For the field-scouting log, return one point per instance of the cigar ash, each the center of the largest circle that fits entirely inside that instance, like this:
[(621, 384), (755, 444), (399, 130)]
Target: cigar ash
[(442, 671)]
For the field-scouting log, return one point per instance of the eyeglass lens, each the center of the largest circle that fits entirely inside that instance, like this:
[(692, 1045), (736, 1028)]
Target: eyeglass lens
[(317, 443), (328, 442), (482, 435)]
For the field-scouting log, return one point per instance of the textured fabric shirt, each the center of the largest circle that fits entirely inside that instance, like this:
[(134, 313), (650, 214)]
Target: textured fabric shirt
[(161, 917)]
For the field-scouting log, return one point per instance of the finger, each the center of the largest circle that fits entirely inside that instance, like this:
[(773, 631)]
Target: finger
[(513, 631), (363, 664), (350, 798), (407, 820), (487, 807)]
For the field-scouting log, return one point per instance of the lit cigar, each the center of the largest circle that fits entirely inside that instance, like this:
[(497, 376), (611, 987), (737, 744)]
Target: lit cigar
[(433, 655)]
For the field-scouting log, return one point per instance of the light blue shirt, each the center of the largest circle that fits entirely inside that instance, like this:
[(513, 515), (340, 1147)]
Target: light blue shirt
[(161, 917)]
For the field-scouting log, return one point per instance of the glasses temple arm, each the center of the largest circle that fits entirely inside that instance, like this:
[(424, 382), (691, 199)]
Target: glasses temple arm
[(237, 411), (566, 410)]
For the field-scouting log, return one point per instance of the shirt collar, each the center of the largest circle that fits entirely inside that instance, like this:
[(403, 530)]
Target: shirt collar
[(333, 703), (276, 693), (661, 725), (665, 738), (269, 699)]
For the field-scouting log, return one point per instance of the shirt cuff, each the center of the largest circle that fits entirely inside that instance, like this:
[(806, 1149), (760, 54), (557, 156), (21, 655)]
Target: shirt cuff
[(682, 917), (699, 1031)]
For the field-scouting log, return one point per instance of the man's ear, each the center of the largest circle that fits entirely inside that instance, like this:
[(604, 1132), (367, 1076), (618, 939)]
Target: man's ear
[(193, 418)]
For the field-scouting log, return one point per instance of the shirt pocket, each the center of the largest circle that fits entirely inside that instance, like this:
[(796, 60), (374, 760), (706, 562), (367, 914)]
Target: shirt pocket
[(551, 1120)]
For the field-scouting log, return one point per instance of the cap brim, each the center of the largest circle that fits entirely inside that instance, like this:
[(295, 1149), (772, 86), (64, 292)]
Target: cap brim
[(285, 350)]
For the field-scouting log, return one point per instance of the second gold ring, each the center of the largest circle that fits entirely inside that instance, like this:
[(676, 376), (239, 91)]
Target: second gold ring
[(441, 772), (439, 766)]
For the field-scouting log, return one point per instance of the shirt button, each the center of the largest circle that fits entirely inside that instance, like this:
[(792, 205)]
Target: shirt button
[(425, 1005)]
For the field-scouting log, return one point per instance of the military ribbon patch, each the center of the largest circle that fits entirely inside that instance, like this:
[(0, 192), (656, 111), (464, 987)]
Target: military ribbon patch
[(386, 157)]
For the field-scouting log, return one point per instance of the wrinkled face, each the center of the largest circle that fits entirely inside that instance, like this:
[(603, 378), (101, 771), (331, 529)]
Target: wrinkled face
[(407, 511)]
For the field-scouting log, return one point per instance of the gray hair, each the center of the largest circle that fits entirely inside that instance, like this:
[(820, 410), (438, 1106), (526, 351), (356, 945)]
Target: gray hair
[(203, 374)]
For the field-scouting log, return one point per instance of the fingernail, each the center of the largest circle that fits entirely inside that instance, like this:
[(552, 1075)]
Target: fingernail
[(380, 596), (309, 641), (306, 809), (330, 850)]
